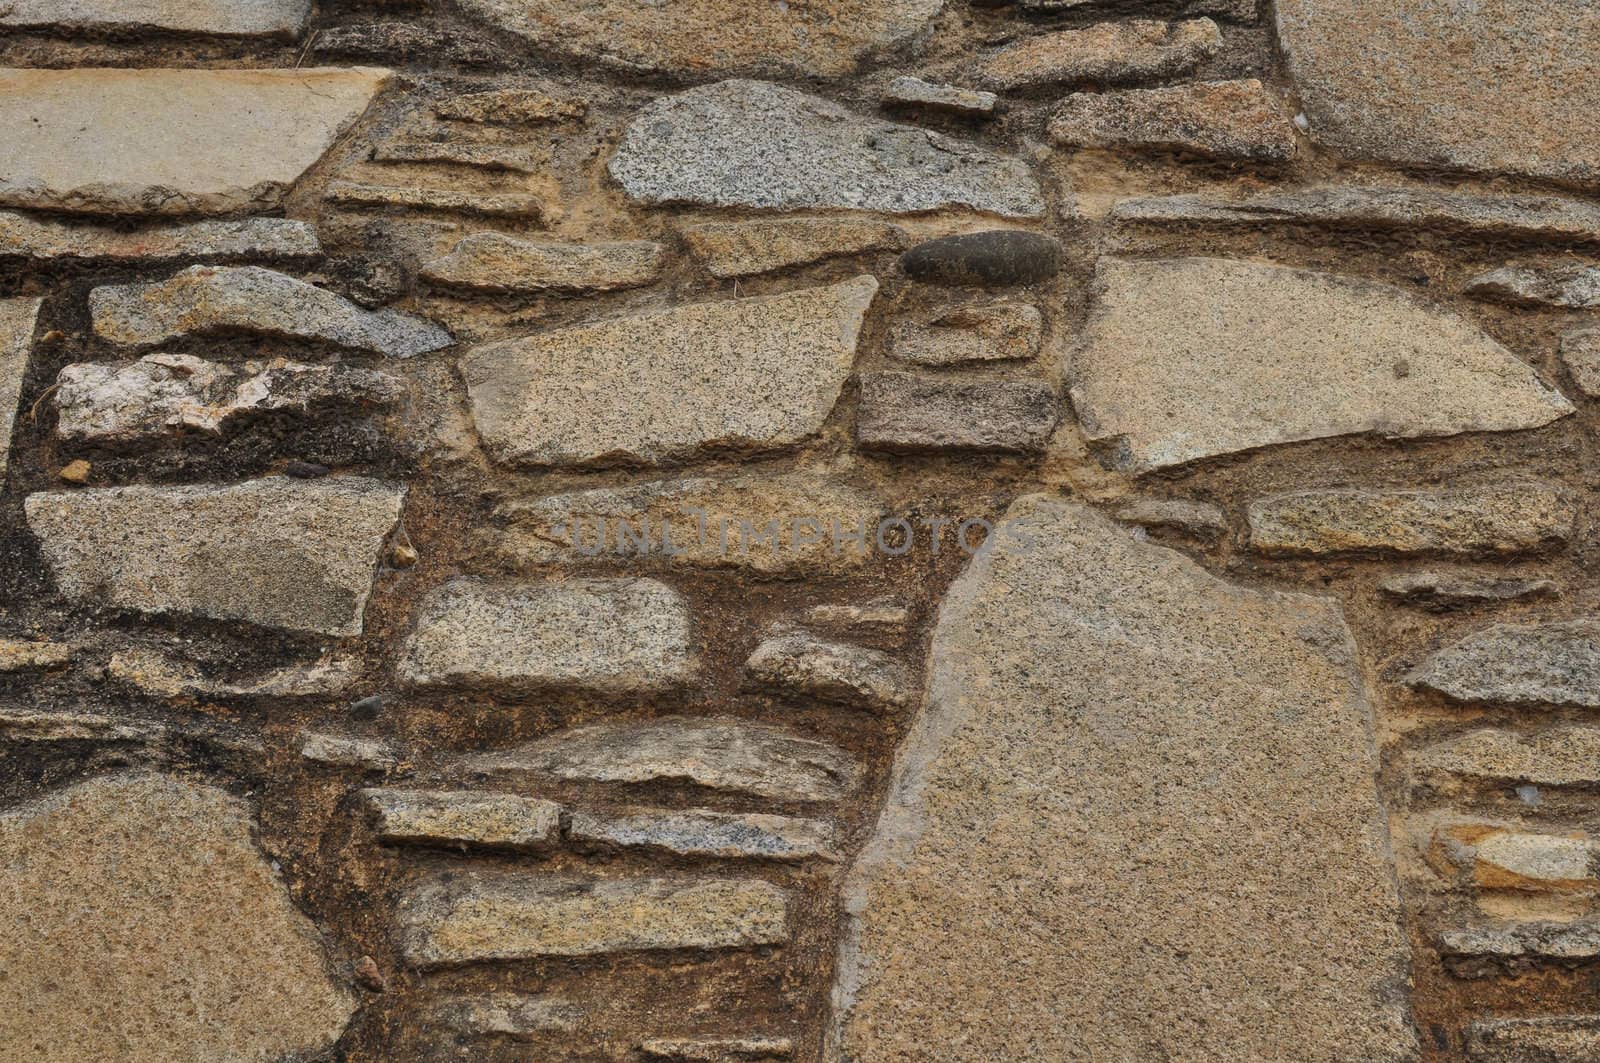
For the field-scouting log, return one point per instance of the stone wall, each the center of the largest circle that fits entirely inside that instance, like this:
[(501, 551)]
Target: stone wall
[(848, 530)]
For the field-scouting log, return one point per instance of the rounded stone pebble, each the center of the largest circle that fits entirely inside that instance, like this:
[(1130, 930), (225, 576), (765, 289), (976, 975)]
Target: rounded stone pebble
[(997, 258)]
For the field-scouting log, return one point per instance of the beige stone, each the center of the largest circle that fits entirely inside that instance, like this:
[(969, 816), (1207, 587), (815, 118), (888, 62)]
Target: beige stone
[(494, 262), (510, 107), (463, 818), (701, 832), (19, 318), (1502, 858), (17, 655), (801, 665), (1539, 664), (885, 616), (1227, 120), (718, 1049), (1106, 52), (169, 676), (207, 240), (513, 1015), (1580, 355), (1548, 1039), (910, 92), (1192, 358), (743, 249), (349, 751), (27, 725), (1137, 819), (1442, 591), (517, 206), (232, 18), (997, 332), (743, 374), (141, 924), (908, 414), (141, 141), (1562, 755), (493, 157)]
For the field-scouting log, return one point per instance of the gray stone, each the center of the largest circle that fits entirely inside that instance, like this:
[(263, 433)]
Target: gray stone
[(509, 158), (1546, 664), (416, 39), (142, 141), (209, 240), (799, 664), (463, 818), (1226, 120), (883, 617), (1551, 1039), (349, 751), (998, 332), (1405, 82), (19, 319), (1488, 520), (751, 144), (225, 18), (1137, 819), (905, 413), (1564, 287), (742, 374), (743, 249), (28, 725), (168, 676), (494, 262), (207, 300), (517, 206), (994, 258), (1200, 519), (513, 1015), (487, 917), (695, 36), (736, 756), (1580, 355), (1563, 755), (619, 636), (1443, 591), (163, 394), (511, 107), (1192, 358), (717, 1049), (698, 832), (293, 554), (140, 923), (917, 94), (1524, 941), (1109, 53)]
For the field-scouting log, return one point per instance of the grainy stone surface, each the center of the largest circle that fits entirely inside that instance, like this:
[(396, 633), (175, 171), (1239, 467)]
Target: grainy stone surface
[(1525, 941), (513, 206), (1562, 755), (521, 916), (142, 924), (1193, 358), (361, 753), (996, 332), (511, 107), (1564, 287), (1520, 664), (906, 413), (743, 249), (17, 655), (446, 153), (700, 832), (1503, 858), (292, 554), (1132, 740), (1554, 1039), (751, 144), (106, 141), (717, 1049), (885, 616), (494, 262), (25, 725), (1226, 120), (463, 818), (210, 240), (993, 258), (1580, 355), (513, 1015), (803, 665), (1442, 591), (1106, 52), (1196, 518), (915, 93), (168, 676), (206, 300), (610, 635), (19, 319), (780, 361), (234, 18)]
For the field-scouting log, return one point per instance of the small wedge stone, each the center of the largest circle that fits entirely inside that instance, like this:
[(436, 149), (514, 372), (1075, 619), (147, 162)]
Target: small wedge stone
[(463, 817), (801, 664), (1580, 354), (1546, 664), (510, 107), (743, 249), (883, 617), (698, 832), (494, 262), (449, 153), (1001, 332), (17, 655), (1200, 519), (904, 413), (1563, 755), (913, 92), (1110, 53), (208, 240), (1442, 591), (718, 1049), (1226, 120), (513, 1015), (1565, 287), (349, 751), (1552, 1039), (167, 676), (514, 205), (1525, 941), (19, 319)]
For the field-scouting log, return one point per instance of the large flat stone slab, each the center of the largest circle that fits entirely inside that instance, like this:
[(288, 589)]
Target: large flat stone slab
[(1193, 358), (207, 240), (742, 374), (1404, 80), (104, 141), (293, 554), (1136, 820), (223, 18), (18, 320), (751, 144), (140, 923)]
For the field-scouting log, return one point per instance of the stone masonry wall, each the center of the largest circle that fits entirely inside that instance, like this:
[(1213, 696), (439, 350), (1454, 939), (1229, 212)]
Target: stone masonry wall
[(816, 530)]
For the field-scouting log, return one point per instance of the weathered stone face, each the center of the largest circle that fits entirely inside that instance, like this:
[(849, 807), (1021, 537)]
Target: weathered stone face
[(1136, 818), (140, 923), (18, 320), (240, 18)]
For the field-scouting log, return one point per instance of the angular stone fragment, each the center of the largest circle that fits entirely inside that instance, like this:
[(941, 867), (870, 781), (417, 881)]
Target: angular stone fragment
[(915, 93), (169, 677), (620, 636), (1403, 82), (1520, 664), (886, 616), (414, 39), (510, 107), (718, 1049), (1110, 53), (745, 374), (718, 754), (1192, 358), (463, 817), (207, 300), (1490, 520), (1442, 591), (1550, 1039), (1226, 120), (223, 18), (141, 924), (17, 655), (743, 249), (1524, 941), (451, 153), (164, 393), (494, 262), (796, 663), (26, 725), (994, 258), (1580, 354), (142, 141), (999, 332), (1565, 287), (695, 36), (19, 319), (1500, 858), (1137, 819), (1200, 519), (515, 205), (293, 554), (349, 751), (905, 413), (698, 832), (751, 144), (1564, 755), (511, 1015), (210, 240), (485, 917)]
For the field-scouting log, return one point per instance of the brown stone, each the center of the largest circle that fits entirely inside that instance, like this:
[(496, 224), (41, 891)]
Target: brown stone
[(1226, 120), (905, 413), (1106, 52)]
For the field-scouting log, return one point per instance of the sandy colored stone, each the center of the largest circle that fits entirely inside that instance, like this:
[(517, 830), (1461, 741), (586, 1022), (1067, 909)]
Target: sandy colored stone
[(1110, 53), (801, 665), (29, 725), (997, 332), (517, 1016), (293, 554), (228, 18), (699, 832), (1543, 664), (510, 107), (1192, 358), (694, 37), (208, 240), (1536, 941), (906, 414), (745, 374), (1486, 520), (505, 157), (1200, 519), (751, 144), (1442, 591), (743, 249), (140, 141), (616, 636), (736, 756), (415, 38), (1494, 857), (518, 206), (1404, 81), (1550, 1039), (141, 924), (498, 916), (207, 300), (19, 319), (1563, 755), (349, 751), (717, 1049), (1226, 120), (1580, 355), (494, 262), (1563, 287), (169, 676), (20, 655), (1234, 10), (1137, 819), (915, 93), (463, 818), (884, 616)]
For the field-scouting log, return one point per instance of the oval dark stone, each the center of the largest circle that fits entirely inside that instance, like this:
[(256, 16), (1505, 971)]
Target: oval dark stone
[(996, 258)]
